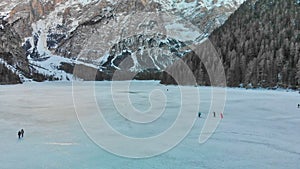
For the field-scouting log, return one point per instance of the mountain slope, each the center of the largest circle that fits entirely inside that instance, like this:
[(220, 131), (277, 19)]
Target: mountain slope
[(259, 45), (13, 62), (101, 34)]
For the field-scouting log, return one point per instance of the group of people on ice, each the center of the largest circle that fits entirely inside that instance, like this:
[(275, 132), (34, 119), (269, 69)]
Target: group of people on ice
[(214, 114), (21, 133)]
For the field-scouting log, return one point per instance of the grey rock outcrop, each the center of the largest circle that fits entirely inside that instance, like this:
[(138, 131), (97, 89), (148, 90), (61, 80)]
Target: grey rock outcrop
[(12, 56)]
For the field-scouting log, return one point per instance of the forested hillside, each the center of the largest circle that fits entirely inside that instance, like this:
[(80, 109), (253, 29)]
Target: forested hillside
[(260, 44)]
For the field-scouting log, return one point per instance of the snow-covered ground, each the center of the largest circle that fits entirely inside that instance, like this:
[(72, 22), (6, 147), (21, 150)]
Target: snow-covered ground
[(260, 128)]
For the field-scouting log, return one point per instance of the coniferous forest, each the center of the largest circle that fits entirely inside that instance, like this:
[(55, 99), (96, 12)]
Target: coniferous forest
[(259, 46)]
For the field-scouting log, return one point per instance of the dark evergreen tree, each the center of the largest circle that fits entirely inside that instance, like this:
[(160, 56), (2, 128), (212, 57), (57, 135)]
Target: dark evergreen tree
[(259, 45)]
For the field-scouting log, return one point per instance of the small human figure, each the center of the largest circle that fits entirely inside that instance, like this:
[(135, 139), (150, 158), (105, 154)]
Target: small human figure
[(298, 106), (214, 114), (199, 114), (22, 133), (222, 116), (19, 134)]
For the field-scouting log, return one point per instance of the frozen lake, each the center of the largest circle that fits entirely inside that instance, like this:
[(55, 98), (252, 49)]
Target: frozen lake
[(260, 128)]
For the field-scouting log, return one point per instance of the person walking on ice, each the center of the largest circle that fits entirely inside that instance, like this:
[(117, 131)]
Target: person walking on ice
[(22, 133), (19, 134), (199, 114), (214, 114)]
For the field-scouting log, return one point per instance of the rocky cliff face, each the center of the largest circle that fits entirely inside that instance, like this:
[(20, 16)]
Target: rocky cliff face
[(147, 35), (13, 61), (153, 34), (23, 14)]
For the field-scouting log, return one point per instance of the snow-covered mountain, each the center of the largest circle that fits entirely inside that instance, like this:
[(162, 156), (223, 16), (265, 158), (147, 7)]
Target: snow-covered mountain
[(143, 34)]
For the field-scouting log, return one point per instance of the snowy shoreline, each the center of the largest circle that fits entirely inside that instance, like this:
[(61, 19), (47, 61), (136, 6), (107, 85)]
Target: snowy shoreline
[(158, 83)]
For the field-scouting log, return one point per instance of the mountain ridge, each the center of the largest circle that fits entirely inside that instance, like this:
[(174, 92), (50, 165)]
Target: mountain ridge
[(44, 39)]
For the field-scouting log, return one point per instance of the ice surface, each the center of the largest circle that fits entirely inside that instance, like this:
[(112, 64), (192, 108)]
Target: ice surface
[(260, 129)]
